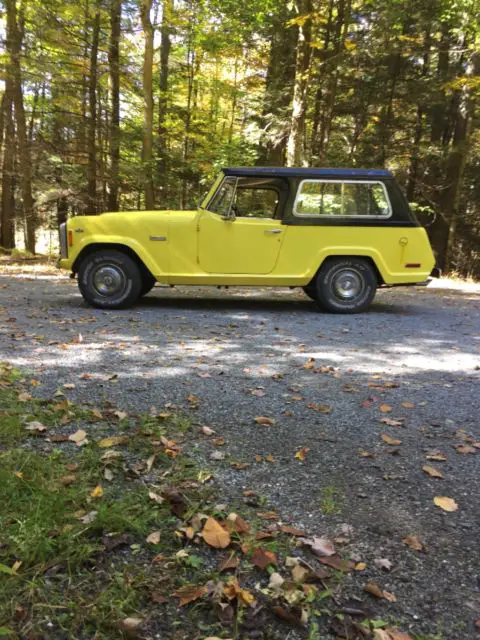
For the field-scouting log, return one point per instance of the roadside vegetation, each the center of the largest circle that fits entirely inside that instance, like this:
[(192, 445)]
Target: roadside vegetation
[(126, 535)]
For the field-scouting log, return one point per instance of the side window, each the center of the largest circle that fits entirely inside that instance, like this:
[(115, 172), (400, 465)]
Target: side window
[(222, 201), (255, 203), (318, 198)]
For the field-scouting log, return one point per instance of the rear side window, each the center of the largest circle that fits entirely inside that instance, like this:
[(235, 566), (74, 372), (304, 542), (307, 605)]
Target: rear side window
[(345, 199)]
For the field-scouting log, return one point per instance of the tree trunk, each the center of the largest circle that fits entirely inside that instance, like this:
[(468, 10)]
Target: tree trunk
[(7, 234), (296, 139), (188, 114), (14, 45), (458, 156), (275, 118), (147, 146), (165, 46), (114, 70), (92, 121)]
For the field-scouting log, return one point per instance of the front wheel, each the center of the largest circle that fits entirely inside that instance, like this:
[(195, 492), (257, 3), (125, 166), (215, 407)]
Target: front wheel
[(109, 280), (346, 285)]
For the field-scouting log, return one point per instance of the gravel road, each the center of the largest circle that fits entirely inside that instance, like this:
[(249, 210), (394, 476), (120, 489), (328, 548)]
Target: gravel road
[(225, 358)]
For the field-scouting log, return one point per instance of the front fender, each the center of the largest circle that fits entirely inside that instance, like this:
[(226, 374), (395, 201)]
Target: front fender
[(145, 256)]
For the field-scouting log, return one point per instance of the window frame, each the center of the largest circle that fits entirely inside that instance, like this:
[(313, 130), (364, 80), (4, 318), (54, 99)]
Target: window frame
[(227, 215), (331, 216)]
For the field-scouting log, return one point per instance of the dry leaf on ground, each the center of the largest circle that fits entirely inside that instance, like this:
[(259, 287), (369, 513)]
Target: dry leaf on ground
[(385, 408), (319, 546), (154, 537), (262, 558), (113, 441), (389, 440), (414, 543), (78, 437), (302, 453), (215, 535), (445, 503), (190, 593), (434, 473), (268, 422), (375, 590), (436, 455), (97, 492)]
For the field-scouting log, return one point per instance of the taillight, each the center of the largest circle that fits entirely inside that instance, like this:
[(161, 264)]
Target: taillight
[(70, 238)]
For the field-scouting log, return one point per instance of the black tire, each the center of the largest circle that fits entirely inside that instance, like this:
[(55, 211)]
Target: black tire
[(311, 291), (346, 285), (109, 280), (148, 282)]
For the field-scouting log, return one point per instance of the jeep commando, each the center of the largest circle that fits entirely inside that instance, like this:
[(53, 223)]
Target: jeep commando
[(337, 233)]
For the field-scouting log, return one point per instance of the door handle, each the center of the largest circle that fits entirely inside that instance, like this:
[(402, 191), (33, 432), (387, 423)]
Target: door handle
[(273, 231)]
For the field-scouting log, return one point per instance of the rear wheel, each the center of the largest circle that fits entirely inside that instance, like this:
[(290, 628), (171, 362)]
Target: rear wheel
[(148, 282), (346, 285), (109, 280), (311, 291)]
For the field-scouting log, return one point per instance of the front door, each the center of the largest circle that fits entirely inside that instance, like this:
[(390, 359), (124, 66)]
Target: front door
[(239, 233)]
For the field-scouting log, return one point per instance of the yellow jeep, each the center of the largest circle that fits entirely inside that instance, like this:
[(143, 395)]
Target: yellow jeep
[(337, 233)]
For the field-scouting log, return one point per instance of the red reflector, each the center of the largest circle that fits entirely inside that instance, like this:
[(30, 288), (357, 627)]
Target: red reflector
[(70, 238), (413, 265)]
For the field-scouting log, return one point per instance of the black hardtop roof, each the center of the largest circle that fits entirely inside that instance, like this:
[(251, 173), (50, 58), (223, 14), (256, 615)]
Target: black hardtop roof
[(307, 172)]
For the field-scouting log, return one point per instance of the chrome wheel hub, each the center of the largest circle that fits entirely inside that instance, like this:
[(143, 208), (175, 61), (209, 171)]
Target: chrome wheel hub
[(108, 280), (347, 284)]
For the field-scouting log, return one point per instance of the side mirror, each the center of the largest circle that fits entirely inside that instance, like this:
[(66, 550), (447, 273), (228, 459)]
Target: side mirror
[(230, 217)]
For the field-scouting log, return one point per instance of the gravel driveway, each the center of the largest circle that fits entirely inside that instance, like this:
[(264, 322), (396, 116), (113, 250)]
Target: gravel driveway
[(327, 382)]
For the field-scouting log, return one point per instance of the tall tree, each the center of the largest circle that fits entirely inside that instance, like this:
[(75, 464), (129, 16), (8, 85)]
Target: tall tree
[(147, 143), (92, 116), (114, 71), (296, 139), (15, 33), (162, 139)]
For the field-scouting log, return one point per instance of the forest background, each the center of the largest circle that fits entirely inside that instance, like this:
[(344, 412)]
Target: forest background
[(133, 104)]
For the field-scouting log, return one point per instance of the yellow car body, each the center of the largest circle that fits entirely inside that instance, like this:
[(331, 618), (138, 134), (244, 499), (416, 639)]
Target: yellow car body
[(217, 247)]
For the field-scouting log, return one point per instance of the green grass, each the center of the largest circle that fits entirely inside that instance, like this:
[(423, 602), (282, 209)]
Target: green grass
[(330, 501)]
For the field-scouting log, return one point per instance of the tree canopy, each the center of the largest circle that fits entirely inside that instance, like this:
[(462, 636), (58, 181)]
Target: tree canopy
[(126, 104)]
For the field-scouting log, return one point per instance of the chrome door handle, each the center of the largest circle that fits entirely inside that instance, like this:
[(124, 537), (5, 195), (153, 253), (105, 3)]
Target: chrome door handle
[(273, 231)]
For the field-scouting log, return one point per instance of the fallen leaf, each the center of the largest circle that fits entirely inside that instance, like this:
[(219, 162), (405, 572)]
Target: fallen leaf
[(385, 408), (302, 453), (408, 405), (108, 474), (154, 537), (319, 408), (319, 546), (375, 590), (268, 422), (365, 454), (78, 437), (262, 558), (445, 503), (465, 449), (336, 562), (69, 385), (292, 531), (155, 497), (68, 480), (130, 625), (391, 422), (434, 473), (383, 563), (158, 598), (237, 523), (300, 573), (97, 492), (35, 427), (215, 535), (276, 581), (414, 543), (113, 441), (88, 517), (121, 415), (390, 633), (217, 455), (207, 431), (437, 455), (177, 503), (233, 590), (24, 397), (360, 566), (190, 593), (227, 562), (389, 440)]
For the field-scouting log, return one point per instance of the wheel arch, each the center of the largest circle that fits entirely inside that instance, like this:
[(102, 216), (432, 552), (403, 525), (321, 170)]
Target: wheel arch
[(366, 258), (89, 249)]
